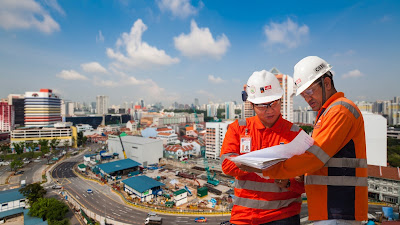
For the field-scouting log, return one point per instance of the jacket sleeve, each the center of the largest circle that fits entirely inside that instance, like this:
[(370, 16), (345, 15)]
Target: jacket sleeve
[(296, 186), (231, 148), (333, 132)]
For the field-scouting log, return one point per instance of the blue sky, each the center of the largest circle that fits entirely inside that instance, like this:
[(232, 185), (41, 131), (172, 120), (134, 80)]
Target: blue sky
[(178, 50)]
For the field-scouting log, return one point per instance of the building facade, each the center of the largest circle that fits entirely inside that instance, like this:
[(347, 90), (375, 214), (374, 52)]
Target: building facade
[(215, 134), (6, 116), (288, 87), (64, 132), (229, 110), (42, 108), (18, 102), (102, 104)]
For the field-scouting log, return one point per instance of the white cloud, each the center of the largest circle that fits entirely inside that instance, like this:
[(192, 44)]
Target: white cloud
[(288, 33), (99, 37), (138, 53), (215, 80), (178, 8), (200, 42), (54, 5), (93, 67), (25, 14), (352, 74), (71, 75)]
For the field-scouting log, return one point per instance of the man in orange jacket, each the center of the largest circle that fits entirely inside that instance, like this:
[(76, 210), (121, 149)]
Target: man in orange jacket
[(335, 167), (259, 200)]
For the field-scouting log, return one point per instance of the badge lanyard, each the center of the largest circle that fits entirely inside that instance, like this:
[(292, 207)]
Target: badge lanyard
[(245, 143)]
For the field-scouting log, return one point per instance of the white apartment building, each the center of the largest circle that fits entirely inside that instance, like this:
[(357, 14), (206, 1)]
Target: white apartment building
[(212, 110), (247, 110), (102, 104), (364, 106), (132, 125), (304, 115), (215, 134), (288, 87)]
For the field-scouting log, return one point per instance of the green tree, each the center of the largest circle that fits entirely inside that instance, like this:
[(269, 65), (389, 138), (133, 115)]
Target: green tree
[(54, 143), (80, 139), (66, 145), (50, 209), (44, 146), (19, 147), (5, 148), (33, 192), (16, 164), (307, 129)]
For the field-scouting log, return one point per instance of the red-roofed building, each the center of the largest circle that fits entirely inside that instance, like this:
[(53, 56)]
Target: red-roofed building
[(168, 138), (165, 130), (384, 183), (198, 146), (178, 152), (97, 138)]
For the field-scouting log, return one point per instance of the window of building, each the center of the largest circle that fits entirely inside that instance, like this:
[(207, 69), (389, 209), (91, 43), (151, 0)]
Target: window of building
[(4, 205)]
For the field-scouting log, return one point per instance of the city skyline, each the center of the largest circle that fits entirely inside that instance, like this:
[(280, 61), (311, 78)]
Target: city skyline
[(161, 52)]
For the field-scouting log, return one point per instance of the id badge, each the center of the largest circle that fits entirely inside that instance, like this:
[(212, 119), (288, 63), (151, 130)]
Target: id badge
[(245, 144)]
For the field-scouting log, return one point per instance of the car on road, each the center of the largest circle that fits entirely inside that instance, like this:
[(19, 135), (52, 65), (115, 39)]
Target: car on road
[(225, 223), (151, 214), (56, 187), (19, 172), (200, 219), (89, 191)]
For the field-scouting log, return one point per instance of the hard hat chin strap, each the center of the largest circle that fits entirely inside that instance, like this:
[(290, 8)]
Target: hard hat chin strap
[(323, 91)]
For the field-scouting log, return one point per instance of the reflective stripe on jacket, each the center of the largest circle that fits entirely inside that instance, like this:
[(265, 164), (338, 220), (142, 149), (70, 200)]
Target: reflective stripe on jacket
[(335, 166), (258, 200)]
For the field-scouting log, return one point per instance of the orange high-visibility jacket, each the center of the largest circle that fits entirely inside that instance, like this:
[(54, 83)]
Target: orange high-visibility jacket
[(335, 166), (258, 200)]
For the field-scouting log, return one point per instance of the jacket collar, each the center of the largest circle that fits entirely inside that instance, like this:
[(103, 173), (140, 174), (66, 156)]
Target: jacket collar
[(330, 100), (276, 127)]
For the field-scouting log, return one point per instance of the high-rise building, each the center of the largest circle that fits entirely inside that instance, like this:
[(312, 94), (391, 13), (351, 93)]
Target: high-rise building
[(215, 134), (18, 102), (248, 110), (102, 104), (211, 110), (42, 108), (6, 116), (394, 111), (196, 102), (229, 110), (288, 87)]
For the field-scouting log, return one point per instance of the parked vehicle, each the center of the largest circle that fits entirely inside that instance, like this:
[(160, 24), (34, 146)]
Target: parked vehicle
[(19, 172), (23, 183), (153, 220), (56, 187), (200, 219), (151, 214)]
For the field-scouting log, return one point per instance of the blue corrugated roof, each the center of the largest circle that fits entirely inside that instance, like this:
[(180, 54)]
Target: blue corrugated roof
[(30, 220), (118, 165), (142, 183), (10, 195)]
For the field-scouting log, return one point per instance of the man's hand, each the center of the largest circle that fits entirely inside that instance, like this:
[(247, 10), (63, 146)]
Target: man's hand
[(248, 168)]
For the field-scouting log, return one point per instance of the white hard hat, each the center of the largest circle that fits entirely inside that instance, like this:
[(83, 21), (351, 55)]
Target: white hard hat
[(307, 70), (262, 87)]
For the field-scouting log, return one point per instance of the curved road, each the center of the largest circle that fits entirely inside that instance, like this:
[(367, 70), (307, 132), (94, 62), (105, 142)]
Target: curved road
[(104, 202)]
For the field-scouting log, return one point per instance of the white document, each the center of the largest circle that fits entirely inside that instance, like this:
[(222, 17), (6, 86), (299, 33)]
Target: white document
[(267, 157)]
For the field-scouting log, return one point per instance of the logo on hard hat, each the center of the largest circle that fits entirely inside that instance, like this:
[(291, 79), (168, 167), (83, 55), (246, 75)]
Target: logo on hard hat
[(252, 90), (298, 81), (267, 87), (320, 67), (262, 89)]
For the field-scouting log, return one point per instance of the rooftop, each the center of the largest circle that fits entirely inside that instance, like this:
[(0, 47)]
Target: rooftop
[(134, 140), (118, 165), (10, 195), (391, 173), (179, 192), (142, 183)]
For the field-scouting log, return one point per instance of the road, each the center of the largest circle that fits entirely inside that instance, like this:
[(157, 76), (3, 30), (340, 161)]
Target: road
[(103, 202)]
